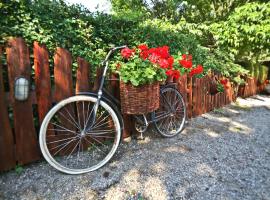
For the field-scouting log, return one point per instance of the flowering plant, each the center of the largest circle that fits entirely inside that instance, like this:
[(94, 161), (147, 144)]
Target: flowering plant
[(144, 65), (187, 66)]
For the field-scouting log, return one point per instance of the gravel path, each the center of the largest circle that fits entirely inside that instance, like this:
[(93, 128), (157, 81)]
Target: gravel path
[(224, 154)]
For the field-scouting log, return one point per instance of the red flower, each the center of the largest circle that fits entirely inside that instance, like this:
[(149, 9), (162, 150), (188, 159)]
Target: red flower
[(127, 53), (164, 52), (153, 58), (169, 72), (144, 54), (197, 70), (170, 61), (184, 56), (143, 47), (187, 57), (176, 74), (186, 63), (163, 63), (173, 73), (224, 81)]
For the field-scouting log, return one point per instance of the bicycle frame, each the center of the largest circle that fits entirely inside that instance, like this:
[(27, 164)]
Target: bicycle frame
[(105, 64), (102, 91)]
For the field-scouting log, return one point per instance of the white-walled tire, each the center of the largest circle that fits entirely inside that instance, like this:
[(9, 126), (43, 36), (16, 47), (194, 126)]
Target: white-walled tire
[(68, 146)]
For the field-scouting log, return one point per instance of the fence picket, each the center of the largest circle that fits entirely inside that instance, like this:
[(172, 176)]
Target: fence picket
[(62, 74), (64, 89), (42, 80), (82, 78), (25, 135), (6, 137), (190, 97)]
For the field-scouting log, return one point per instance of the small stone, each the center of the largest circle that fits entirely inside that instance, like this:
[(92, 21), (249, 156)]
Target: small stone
[(106, 174)]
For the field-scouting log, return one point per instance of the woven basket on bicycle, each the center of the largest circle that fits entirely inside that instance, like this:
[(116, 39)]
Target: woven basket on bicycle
[(139, 100)]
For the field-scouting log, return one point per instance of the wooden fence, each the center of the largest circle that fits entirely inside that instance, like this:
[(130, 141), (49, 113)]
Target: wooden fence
[(18, 127)]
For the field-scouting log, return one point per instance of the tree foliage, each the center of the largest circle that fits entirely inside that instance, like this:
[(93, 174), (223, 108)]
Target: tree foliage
[(246, 33), (192, 10)]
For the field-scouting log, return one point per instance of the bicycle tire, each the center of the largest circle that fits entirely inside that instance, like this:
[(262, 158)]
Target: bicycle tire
[(170, 95), (57, 152)]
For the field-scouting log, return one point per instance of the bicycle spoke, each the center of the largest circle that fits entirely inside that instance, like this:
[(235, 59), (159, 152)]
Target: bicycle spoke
[(94, 145), (61, 140), (63, 128), (100, 132), (63, 147), (73, 123), (78, 154), (73, 150), (100, 121), (78, 115)]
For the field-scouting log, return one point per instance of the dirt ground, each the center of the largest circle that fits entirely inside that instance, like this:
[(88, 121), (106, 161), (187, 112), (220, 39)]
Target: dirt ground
[(224, 154)]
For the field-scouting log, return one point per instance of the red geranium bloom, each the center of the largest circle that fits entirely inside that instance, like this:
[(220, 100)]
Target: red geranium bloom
[(163, 63), (186, 63), (144, 54), (169, 72), (224, 81), (176, 74), (170, 61), (173, 73), (164, 52), (153, 58), (127, 53), (143, 47), (184, 56), (197, 70)]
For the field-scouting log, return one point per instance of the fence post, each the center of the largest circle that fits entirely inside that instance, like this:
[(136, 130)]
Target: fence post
[(25, 135)]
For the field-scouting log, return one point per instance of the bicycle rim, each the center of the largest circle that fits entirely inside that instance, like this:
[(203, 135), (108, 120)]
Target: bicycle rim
[(68, 146), (169, 119)]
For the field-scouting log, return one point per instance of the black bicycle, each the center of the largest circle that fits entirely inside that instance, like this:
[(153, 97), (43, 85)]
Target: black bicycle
[(81, 133)]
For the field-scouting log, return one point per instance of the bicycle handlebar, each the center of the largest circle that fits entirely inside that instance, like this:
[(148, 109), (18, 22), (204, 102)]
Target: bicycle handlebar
[(111, 51)]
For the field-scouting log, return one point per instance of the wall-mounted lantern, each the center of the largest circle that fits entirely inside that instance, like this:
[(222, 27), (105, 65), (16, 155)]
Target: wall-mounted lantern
[(21, 89)]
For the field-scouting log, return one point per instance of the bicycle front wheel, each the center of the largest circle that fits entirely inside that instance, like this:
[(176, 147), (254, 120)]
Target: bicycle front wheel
[(69, 145), (169, 119)]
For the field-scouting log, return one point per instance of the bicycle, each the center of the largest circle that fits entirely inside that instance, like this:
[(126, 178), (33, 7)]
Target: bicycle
[(81, 133)]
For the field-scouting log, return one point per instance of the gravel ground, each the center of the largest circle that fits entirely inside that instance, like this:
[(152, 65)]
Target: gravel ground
[(224, 154)]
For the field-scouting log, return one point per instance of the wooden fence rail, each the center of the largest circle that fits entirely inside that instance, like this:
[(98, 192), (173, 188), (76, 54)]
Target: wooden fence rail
[(18, 129)]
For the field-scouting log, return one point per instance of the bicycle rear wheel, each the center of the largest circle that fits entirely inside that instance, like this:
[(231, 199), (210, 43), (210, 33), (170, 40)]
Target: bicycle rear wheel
[(169, 119), (66, 143)]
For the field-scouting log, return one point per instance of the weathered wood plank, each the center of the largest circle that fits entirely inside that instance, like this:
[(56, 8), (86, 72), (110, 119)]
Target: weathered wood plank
[(63, 74), (190, 97), (25, 135), (194, 97), (7, 144), (99, 72), (82, 79), (42, 80), (64, 89)]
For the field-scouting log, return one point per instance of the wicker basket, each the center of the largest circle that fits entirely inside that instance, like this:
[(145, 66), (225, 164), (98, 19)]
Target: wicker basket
[(139, 100)]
